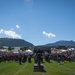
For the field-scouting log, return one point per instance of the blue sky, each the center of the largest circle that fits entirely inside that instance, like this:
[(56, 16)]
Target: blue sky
[(38, 21)]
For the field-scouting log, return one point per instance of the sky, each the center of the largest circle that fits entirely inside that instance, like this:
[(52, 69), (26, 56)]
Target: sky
[(38, 21)]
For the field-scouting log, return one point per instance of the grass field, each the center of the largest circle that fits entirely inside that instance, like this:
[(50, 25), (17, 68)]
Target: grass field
[(53, 68)]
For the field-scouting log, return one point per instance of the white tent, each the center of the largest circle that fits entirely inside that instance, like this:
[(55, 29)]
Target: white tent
[(63, 50), (28, 52), (3, 50), (70, 49)]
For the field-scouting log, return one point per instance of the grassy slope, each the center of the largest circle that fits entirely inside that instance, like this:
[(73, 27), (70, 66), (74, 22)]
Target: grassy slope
[(52, 68)]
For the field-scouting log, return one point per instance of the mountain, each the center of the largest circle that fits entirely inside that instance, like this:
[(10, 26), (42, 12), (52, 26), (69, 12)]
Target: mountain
[(62, 43), (14, 42)]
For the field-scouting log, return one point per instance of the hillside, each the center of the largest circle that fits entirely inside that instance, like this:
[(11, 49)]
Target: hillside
[(62, 43), (14, 42)]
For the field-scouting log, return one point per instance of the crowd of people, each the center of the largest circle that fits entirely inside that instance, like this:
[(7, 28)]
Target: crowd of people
[(22, 57), (17, 57), (61, 57), (58, 57)]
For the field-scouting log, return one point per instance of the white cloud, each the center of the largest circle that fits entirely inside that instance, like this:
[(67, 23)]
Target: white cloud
[(1, 31), (17, 26), (10, 33), (49, 35)]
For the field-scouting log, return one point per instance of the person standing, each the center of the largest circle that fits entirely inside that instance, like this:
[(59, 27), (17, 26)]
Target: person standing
[(20, 57), (39, 54)]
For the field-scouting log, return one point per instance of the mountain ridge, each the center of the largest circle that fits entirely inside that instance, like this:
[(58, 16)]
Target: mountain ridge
[(62, 43), (14, 42)]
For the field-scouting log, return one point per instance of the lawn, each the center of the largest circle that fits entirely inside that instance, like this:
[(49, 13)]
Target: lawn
[(52, 68)]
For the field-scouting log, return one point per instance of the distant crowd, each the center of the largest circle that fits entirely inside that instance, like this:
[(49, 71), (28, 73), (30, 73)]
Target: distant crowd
[(9, 56), (21, 57)]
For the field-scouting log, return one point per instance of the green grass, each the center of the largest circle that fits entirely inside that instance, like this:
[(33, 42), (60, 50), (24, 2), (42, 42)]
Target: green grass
[(53, 68)]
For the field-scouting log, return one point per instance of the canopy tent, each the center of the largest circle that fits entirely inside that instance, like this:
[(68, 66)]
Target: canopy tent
[(62, 50), (27, 52), (70, 49), (3, 50)]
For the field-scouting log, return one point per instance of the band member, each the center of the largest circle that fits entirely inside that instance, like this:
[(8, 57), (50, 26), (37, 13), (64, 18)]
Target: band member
[(20, 57)]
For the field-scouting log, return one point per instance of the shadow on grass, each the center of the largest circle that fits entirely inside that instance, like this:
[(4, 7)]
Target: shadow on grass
[(40, 71)]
